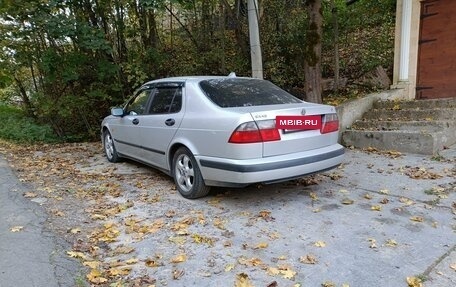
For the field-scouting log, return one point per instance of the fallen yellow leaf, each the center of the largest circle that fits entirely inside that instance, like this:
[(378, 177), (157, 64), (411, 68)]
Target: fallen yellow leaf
[(414, 282), (177, 274), (373, 243), (250, 262), (178, 239), (376, 207), (453, 266), (313, 196), (95, 277), (30, 195), (328, 284), (384, 200), (347, 201), (308, 259), (287, 273), (197, 238), (179, 258), (391, 243), (122, 249), (229, 267), (119, 271), (406, 201), (242, 280), (273, 271), (261, 245), (75, 254), (16, 228), (152, 263), (92, 264), (219, 223), (417, 218), (132, 261), (320, 244)]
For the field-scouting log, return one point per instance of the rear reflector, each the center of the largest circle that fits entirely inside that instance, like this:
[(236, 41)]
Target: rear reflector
[(330, 123), (254, 132)]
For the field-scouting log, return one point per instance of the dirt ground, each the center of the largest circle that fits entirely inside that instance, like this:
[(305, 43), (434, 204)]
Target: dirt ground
[(381, 219)]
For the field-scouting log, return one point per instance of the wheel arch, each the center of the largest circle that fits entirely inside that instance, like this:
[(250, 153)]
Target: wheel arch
[(172, 150), (174, 147), (104, 129)]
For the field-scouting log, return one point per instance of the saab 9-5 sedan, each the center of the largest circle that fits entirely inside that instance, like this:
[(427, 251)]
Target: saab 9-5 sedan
[(222, 131)]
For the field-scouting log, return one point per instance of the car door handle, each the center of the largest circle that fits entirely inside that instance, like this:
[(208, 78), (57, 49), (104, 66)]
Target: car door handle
[(135, 121), (170, 122)]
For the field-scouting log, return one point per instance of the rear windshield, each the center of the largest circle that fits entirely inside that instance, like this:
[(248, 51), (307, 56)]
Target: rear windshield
[(236, 92)]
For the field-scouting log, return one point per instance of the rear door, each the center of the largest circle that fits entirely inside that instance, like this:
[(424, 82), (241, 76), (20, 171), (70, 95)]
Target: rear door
[(161, 122), (292, 141)]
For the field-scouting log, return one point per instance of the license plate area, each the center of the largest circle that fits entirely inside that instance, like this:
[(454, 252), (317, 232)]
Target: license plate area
[(298, 123)]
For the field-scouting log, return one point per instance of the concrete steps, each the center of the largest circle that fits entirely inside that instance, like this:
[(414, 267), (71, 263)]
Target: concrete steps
[(423, 127)]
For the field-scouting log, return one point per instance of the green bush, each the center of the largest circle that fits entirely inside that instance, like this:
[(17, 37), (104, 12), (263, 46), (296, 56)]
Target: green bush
[(15, 126)]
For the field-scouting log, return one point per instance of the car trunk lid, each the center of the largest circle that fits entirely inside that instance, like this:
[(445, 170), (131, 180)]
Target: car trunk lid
[(292, 141)]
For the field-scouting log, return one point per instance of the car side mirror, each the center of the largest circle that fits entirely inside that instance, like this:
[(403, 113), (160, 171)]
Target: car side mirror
[(117, 112)]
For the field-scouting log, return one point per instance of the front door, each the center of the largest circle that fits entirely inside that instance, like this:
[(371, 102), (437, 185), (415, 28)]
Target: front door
[(437, 50), (126, 130)]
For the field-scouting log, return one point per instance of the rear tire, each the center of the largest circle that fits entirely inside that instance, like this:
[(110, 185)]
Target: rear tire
[(109, 147), (187, 175)]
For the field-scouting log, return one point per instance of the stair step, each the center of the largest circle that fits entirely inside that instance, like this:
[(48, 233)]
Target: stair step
[(421, 126), (418, 104), (402, 141), (402, 115), (418, 126)]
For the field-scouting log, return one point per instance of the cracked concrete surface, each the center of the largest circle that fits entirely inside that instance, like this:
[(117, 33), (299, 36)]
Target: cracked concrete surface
[(32, 256), (363, 247)]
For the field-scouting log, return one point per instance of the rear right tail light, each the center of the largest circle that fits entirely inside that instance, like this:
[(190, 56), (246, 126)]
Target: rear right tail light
[(330, 123)]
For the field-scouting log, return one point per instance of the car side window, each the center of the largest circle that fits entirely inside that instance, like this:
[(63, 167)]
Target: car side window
[(138, 105), (166, 100)]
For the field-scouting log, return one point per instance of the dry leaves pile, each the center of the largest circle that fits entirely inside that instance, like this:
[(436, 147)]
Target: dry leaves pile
[(133, 229), (100, 211)]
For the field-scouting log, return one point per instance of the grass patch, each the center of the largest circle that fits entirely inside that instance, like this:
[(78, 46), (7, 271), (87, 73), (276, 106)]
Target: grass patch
[(16, 126)]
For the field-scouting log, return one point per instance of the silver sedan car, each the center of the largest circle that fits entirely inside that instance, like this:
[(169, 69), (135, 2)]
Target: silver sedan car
[(222, 131)]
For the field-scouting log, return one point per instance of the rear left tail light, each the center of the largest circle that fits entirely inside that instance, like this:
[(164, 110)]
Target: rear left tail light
[(330, 123), (254, 132)]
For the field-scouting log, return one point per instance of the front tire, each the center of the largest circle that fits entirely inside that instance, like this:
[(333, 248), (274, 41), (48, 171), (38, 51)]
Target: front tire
[(187, 175), (109, 148)]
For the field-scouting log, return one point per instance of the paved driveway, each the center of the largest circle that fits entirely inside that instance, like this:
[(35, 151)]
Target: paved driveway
[(30, 255), (378, 219)]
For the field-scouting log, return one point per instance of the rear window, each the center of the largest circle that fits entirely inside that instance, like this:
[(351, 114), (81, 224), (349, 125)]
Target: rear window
[(228, 93)]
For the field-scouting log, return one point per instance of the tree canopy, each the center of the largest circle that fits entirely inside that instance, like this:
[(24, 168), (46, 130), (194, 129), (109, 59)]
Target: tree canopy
[(68, 61)]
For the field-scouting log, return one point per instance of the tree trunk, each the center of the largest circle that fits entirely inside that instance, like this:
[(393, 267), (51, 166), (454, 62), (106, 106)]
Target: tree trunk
[(152, 28), (25, 99), (222, 40), (235, 17), (312, 61)]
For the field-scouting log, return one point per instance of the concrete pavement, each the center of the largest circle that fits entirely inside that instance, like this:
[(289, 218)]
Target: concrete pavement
[(32, 256), (377, 220)]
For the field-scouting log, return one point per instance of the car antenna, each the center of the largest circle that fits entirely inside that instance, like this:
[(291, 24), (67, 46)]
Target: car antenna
[(232, 75)]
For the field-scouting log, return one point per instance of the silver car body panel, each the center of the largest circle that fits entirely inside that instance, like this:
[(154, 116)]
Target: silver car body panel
[(226, 172), (205, 128)]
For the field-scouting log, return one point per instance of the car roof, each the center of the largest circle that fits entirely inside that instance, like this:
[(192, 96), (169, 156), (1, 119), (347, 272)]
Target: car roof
[(193, 79)]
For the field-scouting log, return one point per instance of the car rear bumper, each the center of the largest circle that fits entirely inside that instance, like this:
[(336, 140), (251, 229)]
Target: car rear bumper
[(228, 172)]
